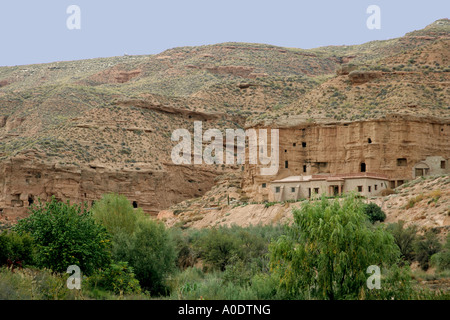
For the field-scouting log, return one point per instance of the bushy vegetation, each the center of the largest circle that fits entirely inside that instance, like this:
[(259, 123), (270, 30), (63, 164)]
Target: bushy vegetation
[(328, 249), (142, 242), (441, 260), (374, 212), (65, 234), (323, 254)]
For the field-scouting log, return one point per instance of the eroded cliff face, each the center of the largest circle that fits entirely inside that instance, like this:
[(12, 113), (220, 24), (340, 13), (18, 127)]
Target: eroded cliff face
[(24, 179), (392, 146)]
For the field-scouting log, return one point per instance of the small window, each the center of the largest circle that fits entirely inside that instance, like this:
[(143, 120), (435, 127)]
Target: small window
[(370, 188), (264, 185), (294, 144), (292, 189), (316, 190), (135, 205), (304, 168), (360, 188), (286, 164), (375, 187), (304, 144), (401, 162), (277, 189), (369, 140), (285, 150), (443, 164)]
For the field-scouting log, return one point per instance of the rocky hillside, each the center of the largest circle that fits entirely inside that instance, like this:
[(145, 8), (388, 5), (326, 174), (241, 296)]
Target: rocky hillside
[(423, 201), (77, 129)]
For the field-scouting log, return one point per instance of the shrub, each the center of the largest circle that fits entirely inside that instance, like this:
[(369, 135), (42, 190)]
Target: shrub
[(374, 213), (152, 255), (144, 243), (66, 235), (118, 278), (425, 247), (404, 238), (441, 260), (116, 214), (217, 247), (16, 248), (30, 284), (328, 249)]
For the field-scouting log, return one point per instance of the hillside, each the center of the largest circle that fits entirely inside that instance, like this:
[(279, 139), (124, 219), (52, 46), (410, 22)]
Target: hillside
[(77, 129), (424, 202)]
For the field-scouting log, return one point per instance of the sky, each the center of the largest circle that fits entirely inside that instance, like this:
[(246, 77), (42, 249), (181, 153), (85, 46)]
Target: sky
[(37, 31)]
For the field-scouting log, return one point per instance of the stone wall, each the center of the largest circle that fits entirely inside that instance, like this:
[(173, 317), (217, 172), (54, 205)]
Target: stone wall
[(390, 146), (24, 180)]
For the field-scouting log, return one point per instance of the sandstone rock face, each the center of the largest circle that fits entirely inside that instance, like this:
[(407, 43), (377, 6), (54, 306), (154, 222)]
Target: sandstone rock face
[(391, 146), (23, 180)]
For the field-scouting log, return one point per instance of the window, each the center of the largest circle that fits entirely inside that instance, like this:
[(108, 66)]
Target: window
[(369, 140), (264, 185), (360, 188), (135, 205), (294, 144), (304, 168), (277, 189), (375, 187), (363, 167), (304, 144), (316, 190), (370, 188), (286, 164), (285, 150), (401, 162), (443, 164), (293, 189)]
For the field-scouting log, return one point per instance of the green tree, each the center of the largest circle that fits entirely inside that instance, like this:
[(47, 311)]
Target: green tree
[(118, 278), (66, 235), (152, 255), (116, 213), (404, 238), (327, 250), (426, 246), (15, 247), (144, 243), (374, 212), (441, 260)]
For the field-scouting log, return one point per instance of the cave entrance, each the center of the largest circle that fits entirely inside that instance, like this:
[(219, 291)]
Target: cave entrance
[(363, 167)]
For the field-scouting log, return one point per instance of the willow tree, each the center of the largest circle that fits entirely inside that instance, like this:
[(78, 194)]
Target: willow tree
[(328, 249)]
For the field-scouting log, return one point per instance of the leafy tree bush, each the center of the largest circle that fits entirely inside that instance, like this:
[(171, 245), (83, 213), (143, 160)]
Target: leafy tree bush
[(425, 247), (404, 238), (118, 278), (16, 248), (144, 243), (374, 212), (227, 245), (441, 260), (116, 213), (35, 285), (66, 235), (152, 255), (328, 249)]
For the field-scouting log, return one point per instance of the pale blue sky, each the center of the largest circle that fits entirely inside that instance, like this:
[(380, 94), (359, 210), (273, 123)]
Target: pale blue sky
[(35, 31)]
